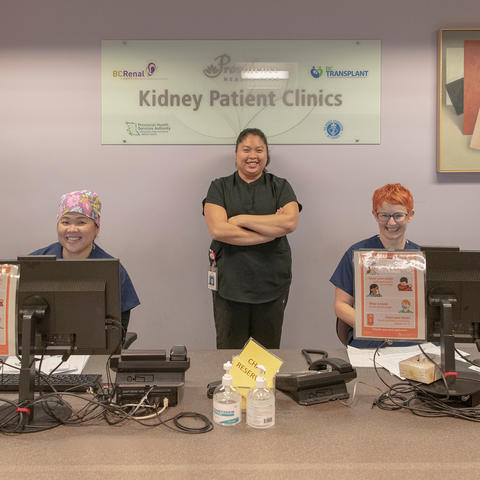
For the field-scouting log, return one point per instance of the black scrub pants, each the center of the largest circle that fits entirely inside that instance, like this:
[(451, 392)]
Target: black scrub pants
[(236, 322)]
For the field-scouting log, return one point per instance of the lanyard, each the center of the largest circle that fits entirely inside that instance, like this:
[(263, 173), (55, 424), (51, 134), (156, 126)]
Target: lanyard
[(212, 257)]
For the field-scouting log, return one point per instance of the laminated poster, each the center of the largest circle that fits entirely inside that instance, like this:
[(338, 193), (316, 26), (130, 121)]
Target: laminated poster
[(389, 294), (8, 292)]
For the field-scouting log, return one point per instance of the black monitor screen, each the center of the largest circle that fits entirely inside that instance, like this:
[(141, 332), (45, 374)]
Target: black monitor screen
[(455, 274), (82, 299)]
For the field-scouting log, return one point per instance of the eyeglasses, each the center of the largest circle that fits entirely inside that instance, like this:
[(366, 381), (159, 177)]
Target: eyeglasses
[(398, 217)]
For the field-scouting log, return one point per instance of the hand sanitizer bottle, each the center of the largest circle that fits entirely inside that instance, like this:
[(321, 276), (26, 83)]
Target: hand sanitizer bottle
[(261, 403), (227, 403)]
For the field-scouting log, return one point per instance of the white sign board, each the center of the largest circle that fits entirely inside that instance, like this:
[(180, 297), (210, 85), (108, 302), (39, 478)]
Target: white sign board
[(207, 91)]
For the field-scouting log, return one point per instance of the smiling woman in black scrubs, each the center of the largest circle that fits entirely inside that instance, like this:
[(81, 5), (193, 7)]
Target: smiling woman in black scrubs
[(249, 214)]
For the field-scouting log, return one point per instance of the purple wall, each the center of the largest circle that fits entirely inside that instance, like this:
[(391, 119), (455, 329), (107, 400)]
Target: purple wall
[(50, 100)]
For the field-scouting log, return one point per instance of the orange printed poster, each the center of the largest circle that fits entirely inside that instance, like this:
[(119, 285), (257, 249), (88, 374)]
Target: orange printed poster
[(8, 292), (389, 295)]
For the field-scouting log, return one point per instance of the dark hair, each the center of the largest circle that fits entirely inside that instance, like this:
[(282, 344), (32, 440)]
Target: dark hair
[(404, 279), (372, 286), (257, 133)]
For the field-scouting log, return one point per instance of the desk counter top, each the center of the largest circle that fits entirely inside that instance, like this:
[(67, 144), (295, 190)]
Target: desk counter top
[(328, 440)]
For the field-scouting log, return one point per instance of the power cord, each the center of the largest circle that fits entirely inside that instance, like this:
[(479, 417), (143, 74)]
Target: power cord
[(99, 406), (417, 400), (354, 398), (208, 425)]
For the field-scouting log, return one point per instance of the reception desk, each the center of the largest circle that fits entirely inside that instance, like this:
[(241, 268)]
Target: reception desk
[(323, 441)]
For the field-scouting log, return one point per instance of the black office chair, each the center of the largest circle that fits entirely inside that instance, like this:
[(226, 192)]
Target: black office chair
[(343, 331), (130, 337)]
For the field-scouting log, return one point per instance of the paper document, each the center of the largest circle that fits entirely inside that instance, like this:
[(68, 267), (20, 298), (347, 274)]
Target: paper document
[(75, 364), (389, 357)]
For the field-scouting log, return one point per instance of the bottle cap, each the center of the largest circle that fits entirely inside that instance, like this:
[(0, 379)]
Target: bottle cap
[(227, 378), (260, 382)]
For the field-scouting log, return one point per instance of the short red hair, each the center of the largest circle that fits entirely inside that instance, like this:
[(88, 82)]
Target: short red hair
[(393, 193)]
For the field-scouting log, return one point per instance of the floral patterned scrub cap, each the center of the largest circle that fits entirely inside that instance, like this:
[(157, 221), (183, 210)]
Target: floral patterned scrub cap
[(81, 201)]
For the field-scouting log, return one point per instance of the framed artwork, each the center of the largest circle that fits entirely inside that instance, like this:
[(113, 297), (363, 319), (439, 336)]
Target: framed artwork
[(458, 133)]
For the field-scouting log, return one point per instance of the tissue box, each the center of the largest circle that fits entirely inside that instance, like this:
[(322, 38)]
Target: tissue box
[(420, 368)]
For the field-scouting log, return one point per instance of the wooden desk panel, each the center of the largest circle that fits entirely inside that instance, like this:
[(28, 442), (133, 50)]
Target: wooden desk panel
[(324, 441)]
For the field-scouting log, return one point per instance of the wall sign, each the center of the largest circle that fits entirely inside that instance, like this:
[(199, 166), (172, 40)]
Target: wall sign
[(207, 91)]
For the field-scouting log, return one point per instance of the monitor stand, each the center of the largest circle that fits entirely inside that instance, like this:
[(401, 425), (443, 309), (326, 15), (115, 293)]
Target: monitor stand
[(46, 413), (463, 385)]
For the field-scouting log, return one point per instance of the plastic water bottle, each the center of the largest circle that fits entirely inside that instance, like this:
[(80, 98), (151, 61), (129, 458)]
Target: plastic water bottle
[(227, 403), (261, 403)]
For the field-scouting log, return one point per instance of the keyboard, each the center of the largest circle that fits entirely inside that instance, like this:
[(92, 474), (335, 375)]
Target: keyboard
[(77, 382)]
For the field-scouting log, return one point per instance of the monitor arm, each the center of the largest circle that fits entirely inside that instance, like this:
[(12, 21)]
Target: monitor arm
[(33, 309), (447, 339)]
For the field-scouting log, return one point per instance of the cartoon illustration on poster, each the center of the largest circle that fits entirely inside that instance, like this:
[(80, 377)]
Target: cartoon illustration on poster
[(389, 295)]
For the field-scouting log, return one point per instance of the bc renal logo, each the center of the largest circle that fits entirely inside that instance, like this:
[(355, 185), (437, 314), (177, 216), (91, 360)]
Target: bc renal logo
[(151, 67), (333, 128), (149, 70)]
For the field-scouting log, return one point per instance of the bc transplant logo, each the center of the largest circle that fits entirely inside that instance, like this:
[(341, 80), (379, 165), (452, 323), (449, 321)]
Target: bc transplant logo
[(316, 72), (333, 129), (333, 72)]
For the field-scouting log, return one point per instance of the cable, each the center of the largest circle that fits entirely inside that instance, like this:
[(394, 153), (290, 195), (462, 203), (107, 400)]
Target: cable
[(306, 353), (207, 428), (437, 367), (417, 400), (98, 406), (208, 425), (354, 399), (465, 358), (152, 415)]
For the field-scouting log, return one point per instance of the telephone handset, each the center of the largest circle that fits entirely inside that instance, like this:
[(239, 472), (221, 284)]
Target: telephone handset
[(323, 381), (337, 364), (324, 363)]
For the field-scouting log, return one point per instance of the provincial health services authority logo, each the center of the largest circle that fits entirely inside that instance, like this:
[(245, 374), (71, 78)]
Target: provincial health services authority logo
[(333, 129)]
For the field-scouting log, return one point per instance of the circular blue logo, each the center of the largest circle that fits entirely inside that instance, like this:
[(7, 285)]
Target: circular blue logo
[(333, 128), (316, 72)]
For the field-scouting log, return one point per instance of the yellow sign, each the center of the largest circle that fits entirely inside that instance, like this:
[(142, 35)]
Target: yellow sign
[(245, 367)]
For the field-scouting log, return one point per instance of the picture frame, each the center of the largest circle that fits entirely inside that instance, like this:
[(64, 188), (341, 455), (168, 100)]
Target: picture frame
[(458, 128)]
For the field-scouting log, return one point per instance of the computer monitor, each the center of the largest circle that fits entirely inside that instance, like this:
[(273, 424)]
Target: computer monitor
[(436, 248), (454, 274), (64, 306), (452, 302), (81, 304)]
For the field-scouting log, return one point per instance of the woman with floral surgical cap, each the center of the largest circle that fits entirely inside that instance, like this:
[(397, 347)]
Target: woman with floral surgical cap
[(78, 224)]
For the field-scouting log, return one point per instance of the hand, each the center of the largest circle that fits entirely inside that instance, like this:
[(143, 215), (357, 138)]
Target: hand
[(234, 220)]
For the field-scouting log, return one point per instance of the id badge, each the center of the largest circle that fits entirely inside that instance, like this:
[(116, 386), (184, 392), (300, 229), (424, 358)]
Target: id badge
[(212, 282), (212, 278)]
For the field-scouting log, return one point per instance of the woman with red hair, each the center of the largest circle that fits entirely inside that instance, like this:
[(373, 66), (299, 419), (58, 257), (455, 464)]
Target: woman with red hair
[(393, 211)]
